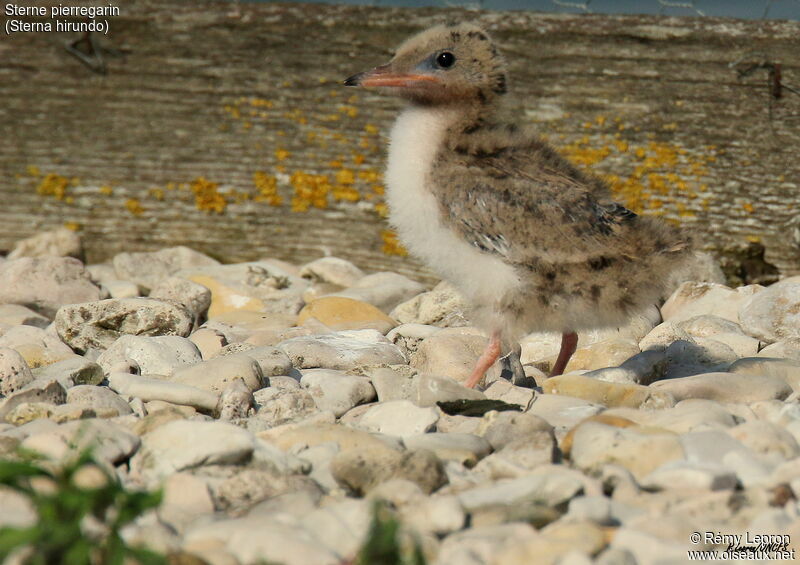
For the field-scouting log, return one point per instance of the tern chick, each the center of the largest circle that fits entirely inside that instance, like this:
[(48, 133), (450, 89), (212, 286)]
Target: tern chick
[(533, 243)]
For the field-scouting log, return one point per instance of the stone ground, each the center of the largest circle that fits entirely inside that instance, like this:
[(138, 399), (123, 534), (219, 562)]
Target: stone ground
[(274, 402)]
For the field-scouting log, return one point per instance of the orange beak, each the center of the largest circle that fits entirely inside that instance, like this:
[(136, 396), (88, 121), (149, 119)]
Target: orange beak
[(382, 76)]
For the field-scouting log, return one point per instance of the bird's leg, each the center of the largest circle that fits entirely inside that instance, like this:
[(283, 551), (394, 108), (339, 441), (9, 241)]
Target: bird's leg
[(486, 360), (569, 343)]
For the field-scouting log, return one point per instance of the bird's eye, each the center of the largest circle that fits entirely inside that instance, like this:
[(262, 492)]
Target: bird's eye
[(445, 60)]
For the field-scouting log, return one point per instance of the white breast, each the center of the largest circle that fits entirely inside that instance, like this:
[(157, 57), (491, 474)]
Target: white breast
[(414, 212)]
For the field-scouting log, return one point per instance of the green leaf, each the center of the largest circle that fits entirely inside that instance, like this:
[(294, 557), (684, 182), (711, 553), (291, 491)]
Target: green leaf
[(12, 538), (12, 471)]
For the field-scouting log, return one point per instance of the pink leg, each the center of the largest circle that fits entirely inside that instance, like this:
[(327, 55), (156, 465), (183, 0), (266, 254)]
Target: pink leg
[(569, 343), (486, 360)]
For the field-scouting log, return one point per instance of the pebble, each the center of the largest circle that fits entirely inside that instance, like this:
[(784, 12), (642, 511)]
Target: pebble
[(725, 387), (393, 383), (184, 444), (272, 361), (767, 439), (384, 290), (507, 392), (399, 418), (160, 355), (121, 289), (595, 444), (50, 392), (449, 352), (304, 435), (692, 299), (336, 391), (99, 399), (785, 348), (432, 389), (774, 313), (466, 449), (563, 411), (109, 441), (361, 469), (341, 350), (149, 389), (504, 429), (277, 406), (341, 313), (259, 538), (437, 515), (557, 540), (786, 369), (443, 306), (194, 297), (544, 484), (606, 353), (332, 270), (17, 315), (44, 284), (259, 286), (712, 447), (236, 402), (185, 498), (216, 374), (14, 372), (663, 335), (687, 476), (75, 370), (408, 336), (341, 526), (97, 325), (148, 269), (478, 545), (60, 242), (609, 394), (243, 325), (37, 346), (209, 342)]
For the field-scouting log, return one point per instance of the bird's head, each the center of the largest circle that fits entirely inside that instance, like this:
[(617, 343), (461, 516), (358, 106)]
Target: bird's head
[(445, 64)]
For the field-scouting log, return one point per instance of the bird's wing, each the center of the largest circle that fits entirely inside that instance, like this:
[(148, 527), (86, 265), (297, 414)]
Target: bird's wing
[(503, 207)]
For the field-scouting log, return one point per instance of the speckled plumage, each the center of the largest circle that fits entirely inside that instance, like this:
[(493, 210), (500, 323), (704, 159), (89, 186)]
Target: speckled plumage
[(534, 243)]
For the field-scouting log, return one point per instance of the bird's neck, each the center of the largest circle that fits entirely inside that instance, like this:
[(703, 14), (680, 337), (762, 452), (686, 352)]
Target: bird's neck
[(460, 115)]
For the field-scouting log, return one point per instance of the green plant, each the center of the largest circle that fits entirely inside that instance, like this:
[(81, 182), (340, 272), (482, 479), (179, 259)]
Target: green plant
[(383, 545), (81, 509)]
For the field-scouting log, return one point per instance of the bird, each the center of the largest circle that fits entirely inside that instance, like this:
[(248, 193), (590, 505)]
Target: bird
[(532, 242)]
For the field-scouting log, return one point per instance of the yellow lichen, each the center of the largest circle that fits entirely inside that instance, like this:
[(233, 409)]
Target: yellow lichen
[(309, 190), (345, 176), (392, 245), (106, 189), (207, 196), (349, 111), (134, 206), (54, 185), (382, 209), (73, 226), (267, 186), (346, 193), (282, 154)]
